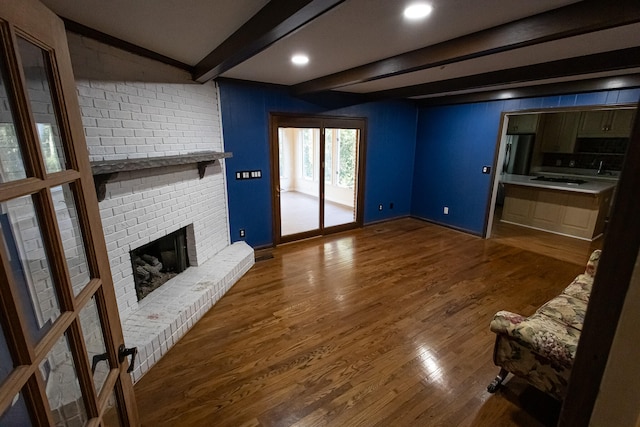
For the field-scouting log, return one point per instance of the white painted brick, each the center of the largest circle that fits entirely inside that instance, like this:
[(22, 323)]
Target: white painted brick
[(116, 97), (147, 133), (127, 133), (135, 108), (120, 115), (123, 88), (132, 124), (131, 111), (96, 131), (126, 149), (108, 123), (105, 104), (91, 112)]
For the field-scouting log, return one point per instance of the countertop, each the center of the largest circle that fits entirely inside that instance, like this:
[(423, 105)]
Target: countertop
[(589, 187), (588, 174)]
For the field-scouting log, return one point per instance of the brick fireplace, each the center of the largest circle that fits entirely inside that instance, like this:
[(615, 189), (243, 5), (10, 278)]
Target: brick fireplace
[(134, 108)]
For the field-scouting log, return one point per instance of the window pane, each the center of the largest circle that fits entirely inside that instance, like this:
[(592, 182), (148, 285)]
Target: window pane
[(17, 414), (6, 361), (340, 197), (300, 191), (347, 143), (39, 92), (24, 244), (94, 341), (67, 214), (111, 416), (328, 155), (61, 384), (307, 154), (11, 162)]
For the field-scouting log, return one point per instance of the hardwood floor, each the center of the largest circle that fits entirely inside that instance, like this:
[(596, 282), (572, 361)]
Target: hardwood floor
[(560, 247), (382, 326)]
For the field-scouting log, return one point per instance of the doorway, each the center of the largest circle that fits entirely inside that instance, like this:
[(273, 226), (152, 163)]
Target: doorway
[(317, 165)]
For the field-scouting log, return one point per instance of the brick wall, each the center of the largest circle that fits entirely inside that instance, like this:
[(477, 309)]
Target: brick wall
[(133, 107)]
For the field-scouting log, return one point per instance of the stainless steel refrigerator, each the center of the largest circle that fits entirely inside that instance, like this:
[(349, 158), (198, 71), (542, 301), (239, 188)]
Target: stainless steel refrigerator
[(517, 159), (518, 153)]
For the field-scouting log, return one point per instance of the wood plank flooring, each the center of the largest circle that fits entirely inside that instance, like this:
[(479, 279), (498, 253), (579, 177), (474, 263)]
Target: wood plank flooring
[(382, 326), (560, 247)]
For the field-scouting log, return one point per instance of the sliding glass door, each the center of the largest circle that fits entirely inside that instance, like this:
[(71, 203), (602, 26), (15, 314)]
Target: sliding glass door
[(317, 183), (340, 175), (299, 189)]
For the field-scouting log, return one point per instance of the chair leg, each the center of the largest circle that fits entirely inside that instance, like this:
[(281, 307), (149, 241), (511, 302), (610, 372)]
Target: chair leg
[(491, 388)]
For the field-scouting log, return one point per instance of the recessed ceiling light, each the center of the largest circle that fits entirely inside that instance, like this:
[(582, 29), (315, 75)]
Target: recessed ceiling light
[(615, 83), (417, 11), (300, 59)]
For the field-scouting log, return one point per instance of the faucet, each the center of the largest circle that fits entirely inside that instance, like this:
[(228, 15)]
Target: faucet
[(602, 170)]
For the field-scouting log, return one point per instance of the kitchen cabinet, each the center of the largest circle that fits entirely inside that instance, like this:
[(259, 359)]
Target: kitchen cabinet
[(522, 123), (569, 213), (606, 123), (559, 132)]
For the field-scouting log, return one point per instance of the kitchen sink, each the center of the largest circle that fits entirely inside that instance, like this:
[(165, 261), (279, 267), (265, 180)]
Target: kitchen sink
[(575, 181)]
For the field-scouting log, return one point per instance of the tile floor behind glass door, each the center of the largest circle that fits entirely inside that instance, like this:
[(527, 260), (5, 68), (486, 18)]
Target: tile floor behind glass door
[(299, 213)]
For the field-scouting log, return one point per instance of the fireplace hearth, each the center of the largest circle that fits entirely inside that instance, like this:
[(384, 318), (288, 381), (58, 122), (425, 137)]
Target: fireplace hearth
[(157, 262)]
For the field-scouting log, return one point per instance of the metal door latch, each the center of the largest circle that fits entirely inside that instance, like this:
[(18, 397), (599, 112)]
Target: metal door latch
[(123, 352), (97, 359)]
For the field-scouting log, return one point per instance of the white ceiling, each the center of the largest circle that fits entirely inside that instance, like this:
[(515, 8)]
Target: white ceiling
[(185, 30), (354, 33), (361, 31)]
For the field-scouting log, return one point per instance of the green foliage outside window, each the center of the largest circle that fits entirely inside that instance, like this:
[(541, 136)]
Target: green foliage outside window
[(347, 143)]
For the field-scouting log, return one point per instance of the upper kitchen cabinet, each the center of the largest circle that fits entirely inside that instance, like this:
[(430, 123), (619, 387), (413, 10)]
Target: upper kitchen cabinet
[(522, 123), (606, 123), (559, 132)]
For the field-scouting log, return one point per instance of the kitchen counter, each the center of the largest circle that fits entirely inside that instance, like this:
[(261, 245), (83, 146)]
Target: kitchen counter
[(589, 187), (575, 210), (588, 174)]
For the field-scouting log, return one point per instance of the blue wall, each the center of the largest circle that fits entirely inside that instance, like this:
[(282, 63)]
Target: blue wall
[(419, 159), (391, 140), (455, 142)]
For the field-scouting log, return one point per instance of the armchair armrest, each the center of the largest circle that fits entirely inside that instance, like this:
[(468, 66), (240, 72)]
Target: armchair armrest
[(539, 333), (504, 322), (592, 264)]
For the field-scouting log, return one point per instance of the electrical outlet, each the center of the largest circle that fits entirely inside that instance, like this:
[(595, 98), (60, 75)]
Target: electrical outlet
[(486, 169), (242, 233), (446, 210), (380, 207)]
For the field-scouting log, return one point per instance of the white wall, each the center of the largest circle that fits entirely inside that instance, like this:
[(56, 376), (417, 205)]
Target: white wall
[(133, 107)]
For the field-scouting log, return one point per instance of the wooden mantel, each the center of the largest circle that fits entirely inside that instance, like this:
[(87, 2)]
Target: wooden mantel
[(106, 170)]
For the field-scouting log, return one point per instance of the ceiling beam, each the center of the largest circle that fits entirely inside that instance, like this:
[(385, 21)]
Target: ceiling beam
[(588, 64), (572, 20), (275, 20), (532, 90)]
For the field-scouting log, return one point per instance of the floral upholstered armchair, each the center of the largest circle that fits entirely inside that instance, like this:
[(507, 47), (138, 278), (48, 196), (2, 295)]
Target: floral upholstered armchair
[(541, 348)]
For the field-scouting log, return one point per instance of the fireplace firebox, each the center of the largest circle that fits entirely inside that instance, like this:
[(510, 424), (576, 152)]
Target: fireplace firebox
[(157, 262)]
